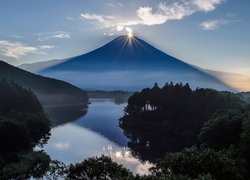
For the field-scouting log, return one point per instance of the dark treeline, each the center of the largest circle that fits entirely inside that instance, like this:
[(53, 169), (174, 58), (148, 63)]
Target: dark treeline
[(23, 125), (167, 119)]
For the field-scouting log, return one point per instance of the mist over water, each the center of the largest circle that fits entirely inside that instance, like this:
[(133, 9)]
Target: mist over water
[(132, 80)]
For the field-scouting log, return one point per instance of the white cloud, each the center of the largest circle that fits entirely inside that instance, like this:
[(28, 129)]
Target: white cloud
[(174, 10), (53, 35), (213, 24), (147, 16), (15, 49), (46, 47), (119, 28), (115, 5), (210, 25), (207, 5), (129, 30), (69, 18), (61, 36), (108, 34), (105, 20)]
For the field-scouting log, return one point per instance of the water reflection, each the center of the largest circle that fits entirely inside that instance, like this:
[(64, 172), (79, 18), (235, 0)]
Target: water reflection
[(94, 134), (60, 115), (103, 117)]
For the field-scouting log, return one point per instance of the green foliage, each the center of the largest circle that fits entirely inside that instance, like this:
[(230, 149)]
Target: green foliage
[(38, 126), (245, 96), (172, 176), (98, 168), (56, 170), (248, 107), (245, 140), (23, 131), (13, 97), (222, 130), (160, 120), (14, 136), (228, 128), (194, 163), (26, 165), (22, 126)]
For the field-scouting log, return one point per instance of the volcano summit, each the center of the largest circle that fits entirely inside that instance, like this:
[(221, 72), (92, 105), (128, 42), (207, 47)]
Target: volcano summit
[(129, 64)]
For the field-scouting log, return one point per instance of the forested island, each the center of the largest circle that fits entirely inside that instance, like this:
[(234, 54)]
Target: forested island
[(189, 133)]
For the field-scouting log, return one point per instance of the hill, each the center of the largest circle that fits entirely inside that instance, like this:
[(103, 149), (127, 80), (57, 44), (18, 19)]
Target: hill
[(48, 90)]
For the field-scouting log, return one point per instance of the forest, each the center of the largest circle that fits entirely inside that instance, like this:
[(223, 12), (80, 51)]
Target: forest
[(23, 125), (187, 134), (167, 119)]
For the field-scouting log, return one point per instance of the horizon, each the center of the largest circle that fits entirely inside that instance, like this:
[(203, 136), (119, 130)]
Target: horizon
[(212, 35)]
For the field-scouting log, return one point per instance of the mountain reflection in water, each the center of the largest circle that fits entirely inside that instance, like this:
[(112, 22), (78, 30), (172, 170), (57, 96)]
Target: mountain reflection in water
[(95, 133)]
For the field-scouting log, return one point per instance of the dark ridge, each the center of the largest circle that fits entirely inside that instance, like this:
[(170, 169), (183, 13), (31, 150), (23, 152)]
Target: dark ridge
[(48, 90)]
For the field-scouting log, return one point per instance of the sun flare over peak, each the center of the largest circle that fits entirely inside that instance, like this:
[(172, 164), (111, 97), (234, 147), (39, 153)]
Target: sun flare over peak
[(130, 35)]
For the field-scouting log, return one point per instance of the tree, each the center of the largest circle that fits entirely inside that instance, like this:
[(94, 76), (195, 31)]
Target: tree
[(26, 165), (222, 130), (98, 168), (38, 126), (23, 125), (13, 97), (167, 119), (245, 140), (193, 162), (14, 136)]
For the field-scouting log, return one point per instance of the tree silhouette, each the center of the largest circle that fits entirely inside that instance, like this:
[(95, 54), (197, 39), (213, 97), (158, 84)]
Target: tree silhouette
[(158, 120)]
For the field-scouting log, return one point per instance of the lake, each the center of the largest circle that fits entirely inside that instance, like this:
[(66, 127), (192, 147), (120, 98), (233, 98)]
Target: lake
[(93, 132)]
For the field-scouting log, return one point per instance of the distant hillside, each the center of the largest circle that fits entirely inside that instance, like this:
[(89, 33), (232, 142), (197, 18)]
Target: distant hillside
[(40, 66), (118, 96), (48, 90)]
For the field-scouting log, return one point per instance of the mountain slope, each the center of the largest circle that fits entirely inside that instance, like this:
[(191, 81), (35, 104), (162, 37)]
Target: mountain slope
[(49, 91), (129, 64), (40, 66)]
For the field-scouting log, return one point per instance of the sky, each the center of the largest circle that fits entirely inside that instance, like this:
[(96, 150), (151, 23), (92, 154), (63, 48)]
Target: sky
[(212, 34)]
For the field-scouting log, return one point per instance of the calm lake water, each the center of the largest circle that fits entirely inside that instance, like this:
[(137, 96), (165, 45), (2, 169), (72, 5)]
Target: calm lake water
[(93, 132)]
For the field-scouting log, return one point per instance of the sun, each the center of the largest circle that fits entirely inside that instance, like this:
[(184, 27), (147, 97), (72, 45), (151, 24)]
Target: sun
[(130, 35)]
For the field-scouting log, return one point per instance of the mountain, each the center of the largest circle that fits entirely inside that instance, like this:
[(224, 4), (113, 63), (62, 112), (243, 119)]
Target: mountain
[(129, 64), (40, 66), (49, 91)]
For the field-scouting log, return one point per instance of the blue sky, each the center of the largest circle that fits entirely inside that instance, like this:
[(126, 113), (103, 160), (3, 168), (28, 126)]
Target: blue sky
[(213, 34)]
